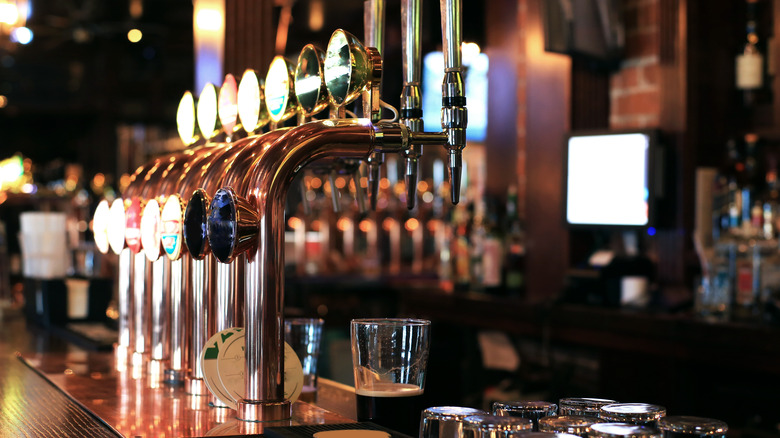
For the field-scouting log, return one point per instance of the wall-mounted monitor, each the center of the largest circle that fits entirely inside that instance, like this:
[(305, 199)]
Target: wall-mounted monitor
[(611, 179)]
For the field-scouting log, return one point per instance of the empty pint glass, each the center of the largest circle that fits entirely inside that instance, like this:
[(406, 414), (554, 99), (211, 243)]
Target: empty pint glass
[(389, 359), (304, 336), (692, 427), (641, 414), (582, 406), (533, 410)]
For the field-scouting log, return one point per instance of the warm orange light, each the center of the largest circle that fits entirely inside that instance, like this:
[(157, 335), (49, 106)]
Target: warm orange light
[(315, 225), (365, 225), (3, 101), (411, 224), (294, 223), (3, 197), (341, 182), (98, 180), (344, 224), (124, 181), (384, 183), (387, 224), (422, 186), (316, 183), (363, 182)]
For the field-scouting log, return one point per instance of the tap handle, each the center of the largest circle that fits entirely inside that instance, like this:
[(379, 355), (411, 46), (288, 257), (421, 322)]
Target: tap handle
[(193, 227), (232, 225), (411, 35), (411, 96), (451, 37), (454, 117), (335, 196)]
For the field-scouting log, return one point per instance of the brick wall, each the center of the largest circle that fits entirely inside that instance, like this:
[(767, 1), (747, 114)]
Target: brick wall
[(635, 95)]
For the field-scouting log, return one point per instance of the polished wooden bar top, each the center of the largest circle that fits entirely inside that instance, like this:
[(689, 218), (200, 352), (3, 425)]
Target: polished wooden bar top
[(52, 388)]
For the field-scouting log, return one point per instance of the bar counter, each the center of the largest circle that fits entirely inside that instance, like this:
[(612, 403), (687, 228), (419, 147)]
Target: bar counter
[(51, 387)]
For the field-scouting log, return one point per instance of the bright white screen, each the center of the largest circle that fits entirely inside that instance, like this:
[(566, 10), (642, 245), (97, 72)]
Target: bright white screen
[(607, 180)]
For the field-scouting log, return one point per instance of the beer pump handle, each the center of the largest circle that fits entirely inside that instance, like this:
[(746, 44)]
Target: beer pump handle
[(454, 116), (373, 24), (411, 95)]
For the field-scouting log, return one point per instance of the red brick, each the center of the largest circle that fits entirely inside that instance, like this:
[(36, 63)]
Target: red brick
[(630, 77), (642, 44), (643, 102), (649, 74)]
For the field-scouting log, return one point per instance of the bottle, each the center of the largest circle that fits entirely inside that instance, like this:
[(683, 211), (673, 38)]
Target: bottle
[(750, 62), (514, 255)]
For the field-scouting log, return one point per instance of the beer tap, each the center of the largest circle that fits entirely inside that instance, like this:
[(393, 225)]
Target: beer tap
[(349, 70), (373, 26), (411, 94), (454, 117)]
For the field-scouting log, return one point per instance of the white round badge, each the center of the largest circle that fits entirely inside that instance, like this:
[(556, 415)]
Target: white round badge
[(100, 226), (116, 226), (150, 226), (171, 227)]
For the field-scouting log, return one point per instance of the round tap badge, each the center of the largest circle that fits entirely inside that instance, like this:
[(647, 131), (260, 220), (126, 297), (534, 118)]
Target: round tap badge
[(150, 230), (207, 111), (171, 233), (116, 226), (231, 367), (208, 363), (133, 225), (277, 89), (227, 105), (185, 119), (100, 226), (250, 100)]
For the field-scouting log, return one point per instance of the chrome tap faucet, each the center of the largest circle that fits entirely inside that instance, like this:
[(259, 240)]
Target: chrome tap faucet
[(411, 94)]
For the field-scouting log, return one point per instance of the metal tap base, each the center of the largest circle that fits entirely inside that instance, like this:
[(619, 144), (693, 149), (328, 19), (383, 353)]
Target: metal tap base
[(194, 386), (258, 411), (216, 402)]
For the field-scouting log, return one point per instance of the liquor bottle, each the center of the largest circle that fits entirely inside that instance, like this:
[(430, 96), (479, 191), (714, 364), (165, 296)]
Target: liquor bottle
[(514, 255), (492, 255), (750, 61)]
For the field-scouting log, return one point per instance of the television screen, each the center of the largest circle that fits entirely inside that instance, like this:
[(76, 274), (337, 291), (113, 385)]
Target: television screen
[(608, 179)]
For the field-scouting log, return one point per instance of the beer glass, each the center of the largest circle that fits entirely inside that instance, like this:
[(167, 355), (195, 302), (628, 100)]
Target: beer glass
[(641, 414), (573, 424), (582, 406), (389, 361), (692, 427), (304, 336), (494, 426), (445, 421), (622, 430), (533, 410)]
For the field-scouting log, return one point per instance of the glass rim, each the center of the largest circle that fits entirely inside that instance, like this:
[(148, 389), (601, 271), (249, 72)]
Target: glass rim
[(303, 319), (391, 321)]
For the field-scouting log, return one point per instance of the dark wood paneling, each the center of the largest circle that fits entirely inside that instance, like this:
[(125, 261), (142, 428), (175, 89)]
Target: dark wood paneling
[(249, 36), (548, 84), (501, 139)]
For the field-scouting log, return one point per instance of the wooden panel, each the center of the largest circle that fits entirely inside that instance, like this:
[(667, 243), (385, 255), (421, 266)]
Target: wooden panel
[(502, 129), (249, 36), (548, 107)]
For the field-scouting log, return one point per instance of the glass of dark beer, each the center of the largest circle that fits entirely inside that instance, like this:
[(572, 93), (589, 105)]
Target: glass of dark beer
[(389, 359)]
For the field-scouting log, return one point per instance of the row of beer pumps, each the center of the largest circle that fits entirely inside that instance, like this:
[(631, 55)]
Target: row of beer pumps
[(200, 232)]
